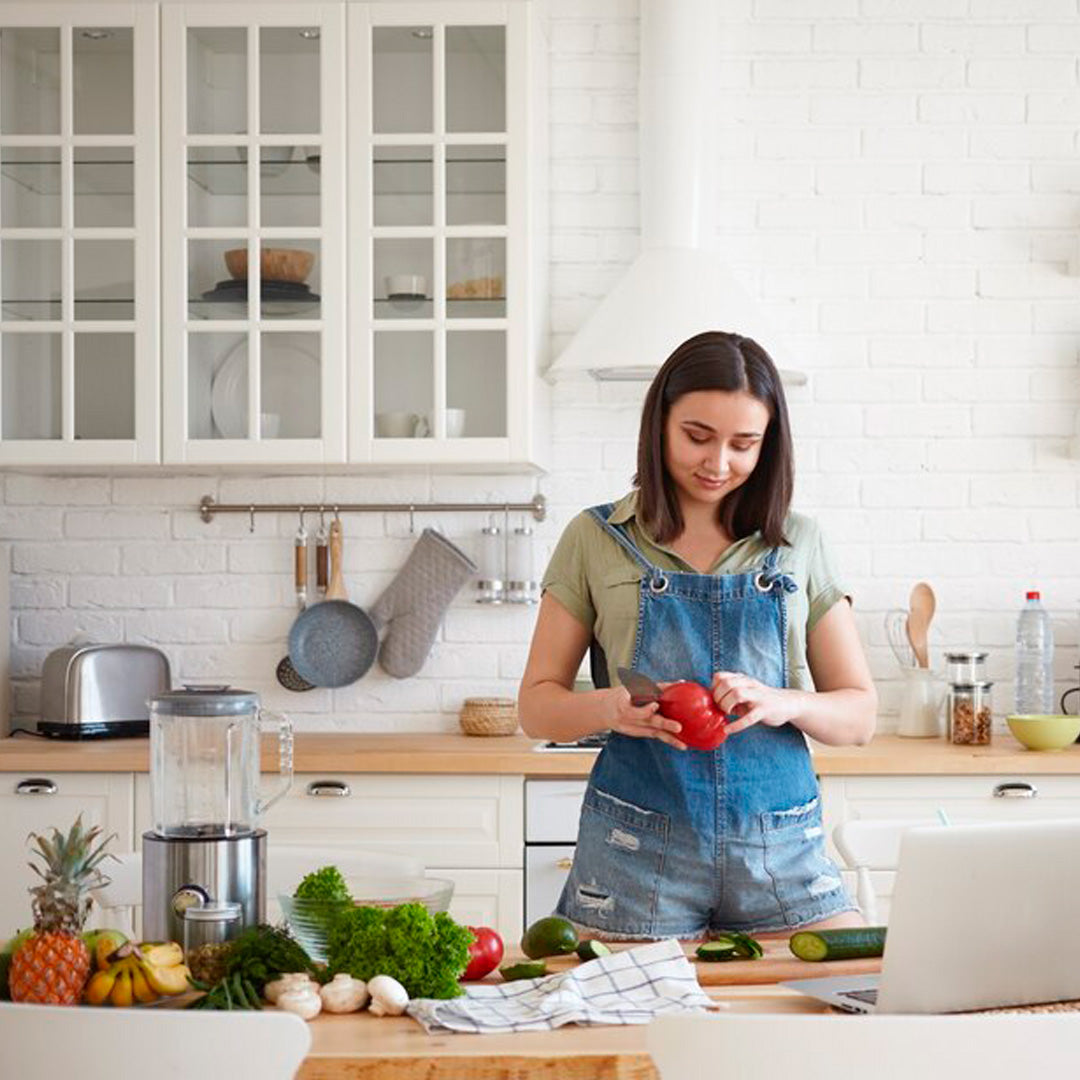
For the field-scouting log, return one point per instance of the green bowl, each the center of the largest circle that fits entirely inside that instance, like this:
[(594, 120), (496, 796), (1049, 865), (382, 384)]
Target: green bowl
[(1047, 732)]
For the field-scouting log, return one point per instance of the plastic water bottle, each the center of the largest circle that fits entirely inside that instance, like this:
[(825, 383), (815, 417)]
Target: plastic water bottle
[(1034, 658)]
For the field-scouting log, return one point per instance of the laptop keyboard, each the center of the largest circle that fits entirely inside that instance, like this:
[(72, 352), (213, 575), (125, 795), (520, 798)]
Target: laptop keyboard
[(867, 997)]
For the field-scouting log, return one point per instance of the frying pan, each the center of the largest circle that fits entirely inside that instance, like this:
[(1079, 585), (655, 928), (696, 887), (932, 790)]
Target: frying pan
[(333, 643)]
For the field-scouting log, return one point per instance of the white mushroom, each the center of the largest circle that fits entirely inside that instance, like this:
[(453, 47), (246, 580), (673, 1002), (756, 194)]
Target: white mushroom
[(388, 996), (344, 994), (302, 1000), (294, 980)]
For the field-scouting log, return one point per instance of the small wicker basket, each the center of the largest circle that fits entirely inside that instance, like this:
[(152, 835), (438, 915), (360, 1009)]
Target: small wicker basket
[(488, 716)]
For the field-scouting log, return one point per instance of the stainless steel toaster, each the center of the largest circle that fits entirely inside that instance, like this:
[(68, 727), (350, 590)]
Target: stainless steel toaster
[(91, 691)]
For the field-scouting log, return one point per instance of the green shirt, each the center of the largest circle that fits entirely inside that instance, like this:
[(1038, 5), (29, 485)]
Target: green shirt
[(597, 580)]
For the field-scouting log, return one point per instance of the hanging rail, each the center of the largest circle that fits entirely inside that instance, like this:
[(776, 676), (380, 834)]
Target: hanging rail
[(209, 506)]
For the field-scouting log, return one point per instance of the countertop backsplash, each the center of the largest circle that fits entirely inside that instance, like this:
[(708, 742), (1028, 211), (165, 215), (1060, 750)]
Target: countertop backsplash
[(898, 190)]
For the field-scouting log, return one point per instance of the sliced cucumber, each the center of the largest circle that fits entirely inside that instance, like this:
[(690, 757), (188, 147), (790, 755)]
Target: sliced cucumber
[(717, 950), (527, 969), (730, 945), (592, 949), (848, 943)]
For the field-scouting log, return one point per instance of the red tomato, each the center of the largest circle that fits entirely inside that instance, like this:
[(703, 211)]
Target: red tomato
[(704, 726), (485, 952)]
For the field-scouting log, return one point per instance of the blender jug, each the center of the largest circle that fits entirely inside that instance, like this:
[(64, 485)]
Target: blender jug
[(205, 846), (204, 762)]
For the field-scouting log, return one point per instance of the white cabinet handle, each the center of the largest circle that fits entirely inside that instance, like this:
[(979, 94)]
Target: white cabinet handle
[(336, 788), (36, 785), (564, 864), (1016, 789)]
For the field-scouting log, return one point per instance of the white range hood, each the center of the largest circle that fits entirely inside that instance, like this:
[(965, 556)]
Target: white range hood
[(677, 286)]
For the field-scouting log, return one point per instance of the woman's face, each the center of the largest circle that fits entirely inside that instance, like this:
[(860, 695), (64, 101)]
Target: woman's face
[(712, 441)]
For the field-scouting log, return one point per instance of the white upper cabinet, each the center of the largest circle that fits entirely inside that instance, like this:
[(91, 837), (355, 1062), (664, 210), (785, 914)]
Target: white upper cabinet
[(447, 242), (253, 170), (347, 203), (79, 361)]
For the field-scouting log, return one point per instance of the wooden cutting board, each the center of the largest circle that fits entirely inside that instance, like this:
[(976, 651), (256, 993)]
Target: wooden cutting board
[(777, 965)]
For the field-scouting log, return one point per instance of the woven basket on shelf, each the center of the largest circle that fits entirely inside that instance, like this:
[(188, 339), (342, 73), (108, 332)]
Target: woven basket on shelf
[(488, 716)]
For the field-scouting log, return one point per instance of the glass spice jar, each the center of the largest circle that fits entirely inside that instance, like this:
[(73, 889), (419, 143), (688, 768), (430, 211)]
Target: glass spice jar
[(968, 713), (966, 667)]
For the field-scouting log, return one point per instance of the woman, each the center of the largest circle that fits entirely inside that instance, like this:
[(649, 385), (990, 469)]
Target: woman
[(702, 573)]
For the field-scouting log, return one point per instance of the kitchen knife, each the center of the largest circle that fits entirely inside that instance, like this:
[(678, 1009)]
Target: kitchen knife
[(642, 689)]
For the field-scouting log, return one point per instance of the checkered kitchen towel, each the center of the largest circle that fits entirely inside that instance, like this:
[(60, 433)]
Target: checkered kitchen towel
[(628, 987)]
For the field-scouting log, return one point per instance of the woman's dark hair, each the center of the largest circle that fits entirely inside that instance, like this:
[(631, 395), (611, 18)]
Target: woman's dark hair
[(717, 361)]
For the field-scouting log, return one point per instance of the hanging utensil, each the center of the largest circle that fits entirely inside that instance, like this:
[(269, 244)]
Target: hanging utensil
[(322, 542), (920, 611), (300, 563), (333, 643), (896, 631)]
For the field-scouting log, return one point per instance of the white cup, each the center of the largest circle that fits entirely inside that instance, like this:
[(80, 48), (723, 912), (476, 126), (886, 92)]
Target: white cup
[(400, 425), (406, 286), (455, 423)]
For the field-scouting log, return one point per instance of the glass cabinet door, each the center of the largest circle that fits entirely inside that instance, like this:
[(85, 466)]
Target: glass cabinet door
[(430, 198), (254, 275), (78, 255)]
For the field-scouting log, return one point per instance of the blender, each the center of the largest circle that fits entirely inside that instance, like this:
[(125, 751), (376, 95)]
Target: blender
[(205, 847)]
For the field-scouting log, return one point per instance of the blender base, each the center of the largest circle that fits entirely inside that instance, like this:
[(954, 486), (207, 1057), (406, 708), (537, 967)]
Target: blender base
[(219, 868)]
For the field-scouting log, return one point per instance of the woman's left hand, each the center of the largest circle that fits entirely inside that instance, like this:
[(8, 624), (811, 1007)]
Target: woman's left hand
[(752, 702)]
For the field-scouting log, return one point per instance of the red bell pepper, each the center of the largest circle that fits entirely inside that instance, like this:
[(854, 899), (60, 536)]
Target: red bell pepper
[(704, 726)]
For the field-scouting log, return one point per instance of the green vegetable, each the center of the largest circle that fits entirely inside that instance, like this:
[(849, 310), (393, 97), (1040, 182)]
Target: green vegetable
[(262, 953), (848, 943), (591, 949), (324, 884), (550, 936), (426, 953), (526, 969), (730, 945), (233, 993)]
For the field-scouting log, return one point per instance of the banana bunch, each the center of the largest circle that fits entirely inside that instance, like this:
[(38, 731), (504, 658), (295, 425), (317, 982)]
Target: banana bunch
[(138, 973)]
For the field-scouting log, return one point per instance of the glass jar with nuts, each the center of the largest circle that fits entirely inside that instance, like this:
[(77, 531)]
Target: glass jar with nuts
[(968, 713)]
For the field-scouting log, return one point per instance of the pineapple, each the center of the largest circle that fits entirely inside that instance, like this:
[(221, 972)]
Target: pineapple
[(52, 965)]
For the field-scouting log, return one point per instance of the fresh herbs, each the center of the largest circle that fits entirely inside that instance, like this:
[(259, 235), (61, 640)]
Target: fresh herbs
[(427, 954), (324, 884), (262, 953), (231, 993)]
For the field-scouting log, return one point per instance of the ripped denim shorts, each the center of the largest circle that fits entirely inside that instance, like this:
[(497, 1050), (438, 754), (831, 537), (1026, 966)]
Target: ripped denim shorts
[(640, 873)]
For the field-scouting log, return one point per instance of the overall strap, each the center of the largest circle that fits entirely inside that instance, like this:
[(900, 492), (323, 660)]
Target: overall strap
[(770, 575), (657, 578)]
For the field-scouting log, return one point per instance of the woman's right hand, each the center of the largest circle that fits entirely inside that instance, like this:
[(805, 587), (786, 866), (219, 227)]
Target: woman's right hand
[(641, 721)]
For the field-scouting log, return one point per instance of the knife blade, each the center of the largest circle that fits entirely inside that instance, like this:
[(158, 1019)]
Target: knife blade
[(642, 689)]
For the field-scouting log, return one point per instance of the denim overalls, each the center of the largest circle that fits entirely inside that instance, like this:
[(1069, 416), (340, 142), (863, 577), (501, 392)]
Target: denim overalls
[(674, 843)]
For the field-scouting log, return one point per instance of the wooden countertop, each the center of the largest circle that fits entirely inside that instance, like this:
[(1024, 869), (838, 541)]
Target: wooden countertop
[(365, 1047), (452, 753)]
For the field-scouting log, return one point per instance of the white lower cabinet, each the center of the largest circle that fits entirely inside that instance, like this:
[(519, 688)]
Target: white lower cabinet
[(956, 799), (465, 828), (39, 803)]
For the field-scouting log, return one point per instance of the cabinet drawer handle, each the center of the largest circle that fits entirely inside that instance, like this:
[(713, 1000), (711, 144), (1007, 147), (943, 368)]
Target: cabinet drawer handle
[(564, 864), (1017, 789), (337, 788), (36, 785)]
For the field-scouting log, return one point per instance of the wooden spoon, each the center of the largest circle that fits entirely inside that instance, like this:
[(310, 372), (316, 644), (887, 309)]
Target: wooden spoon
[(920, 611)]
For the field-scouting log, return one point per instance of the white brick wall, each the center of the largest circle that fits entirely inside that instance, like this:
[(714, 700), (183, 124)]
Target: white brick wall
[(897, 184)]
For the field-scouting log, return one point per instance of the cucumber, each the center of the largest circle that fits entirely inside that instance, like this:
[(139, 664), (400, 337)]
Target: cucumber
[(730, 945), (849, 943), (717, 950), (526, 969), (591, 949)]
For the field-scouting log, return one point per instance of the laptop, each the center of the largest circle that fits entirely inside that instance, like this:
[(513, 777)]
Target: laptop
[(982, 916)]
